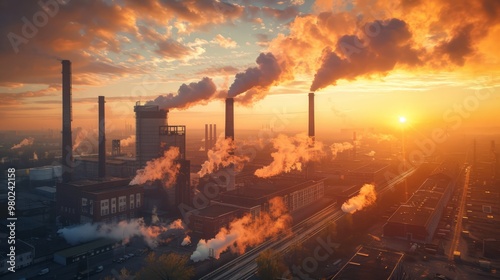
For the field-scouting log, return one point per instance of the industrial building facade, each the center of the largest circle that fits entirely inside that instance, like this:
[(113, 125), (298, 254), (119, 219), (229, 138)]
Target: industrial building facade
[(253, 199), (418, 219), (90, 201)]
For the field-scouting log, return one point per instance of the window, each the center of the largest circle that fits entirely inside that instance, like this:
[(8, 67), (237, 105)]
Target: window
[(91, 207), (131, 198), (113, 205), (85, 208), (104, 207), (137, 200), (122, 203)]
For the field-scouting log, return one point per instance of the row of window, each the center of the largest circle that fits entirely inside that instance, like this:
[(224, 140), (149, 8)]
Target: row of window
[(107, 207)]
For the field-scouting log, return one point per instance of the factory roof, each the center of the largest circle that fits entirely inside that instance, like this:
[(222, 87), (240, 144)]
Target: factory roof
[(216, 210), (421, 205), (370, 263), (109, 184), (373, 167), (85, 248)]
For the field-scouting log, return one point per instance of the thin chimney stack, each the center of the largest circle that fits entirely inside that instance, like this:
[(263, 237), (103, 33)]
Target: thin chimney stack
[(67, 142), (229, 133), (102, 139)]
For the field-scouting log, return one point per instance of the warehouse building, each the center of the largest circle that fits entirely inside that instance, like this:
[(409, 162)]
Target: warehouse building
[(89, 201), (374, 264), (418, 219), (84, 251)]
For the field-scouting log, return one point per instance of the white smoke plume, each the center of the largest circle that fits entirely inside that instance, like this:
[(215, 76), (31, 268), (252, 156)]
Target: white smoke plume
[(123, 230), (256, 80), (154, 215), (379, 137), (221, 156), (25, 142), (84, 141), (291, 154), (246, 231), (366, 197), (127, 141), (340, 147), (186, 241), (188, 95), (164, 167), (35, 156)]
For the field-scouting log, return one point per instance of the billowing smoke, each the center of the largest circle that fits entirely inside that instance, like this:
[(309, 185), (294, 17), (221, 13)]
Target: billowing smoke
[(291, 154), (85, 141), (221, 156), (186, 241), (379, 137), (35, 156), (366, 197), (123, 230), (355, 56), (127, 141), (256, 80), (340, 147), (164, 167), (154, 215), (188, 95), (25, 142), (246, 232)]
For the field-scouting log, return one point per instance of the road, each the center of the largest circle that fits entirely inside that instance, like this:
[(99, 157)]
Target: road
[(244, 266), (461, 208)]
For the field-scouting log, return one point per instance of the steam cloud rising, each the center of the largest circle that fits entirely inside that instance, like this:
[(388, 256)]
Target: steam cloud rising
[(160, 168), (366, 197), (121, 231), (25, 142), (256, 80), (340, 147), (246, 231), (188, 95), (128, 141), (221, 156), (291, 153)]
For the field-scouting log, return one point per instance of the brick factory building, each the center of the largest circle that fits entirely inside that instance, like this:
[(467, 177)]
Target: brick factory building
[(109, 200)]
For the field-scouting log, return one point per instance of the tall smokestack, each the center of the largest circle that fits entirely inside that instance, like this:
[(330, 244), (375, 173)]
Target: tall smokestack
[(230, 118), (211, 141), (215, 136), (102, 139), (67, 142), (229, 131), (310, 165), (206, 138), (311, 115)]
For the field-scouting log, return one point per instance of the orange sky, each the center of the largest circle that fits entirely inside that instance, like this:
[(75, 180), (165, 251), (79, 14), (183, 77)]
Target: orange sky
[(435, 62)]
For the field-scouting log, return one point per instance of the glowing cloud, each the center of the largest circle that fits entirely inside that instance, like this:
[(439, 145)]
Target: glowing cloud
[(291, 154), (366, 197), (222, 156), (246, 231), (164, 167), (25, 142)]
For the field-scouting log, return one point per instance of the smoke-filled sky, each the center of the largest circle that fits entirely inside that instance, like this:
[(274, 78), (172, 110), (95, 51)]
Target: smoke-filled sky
[(369, 61)]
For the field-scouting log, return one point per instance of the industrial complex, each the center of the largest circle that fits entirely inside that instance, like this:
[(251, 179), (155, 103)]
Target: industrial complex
[(444, 205)]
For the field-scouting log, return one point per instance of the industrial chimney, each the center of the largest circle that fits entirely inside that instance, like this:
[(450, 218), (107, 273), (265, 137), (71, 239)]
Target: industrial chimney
[(229, 133), (215, 136), (229, 118), (311, 115), (207, 144), (67, 142), (102, 139), (211, 141), (310, 165)]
